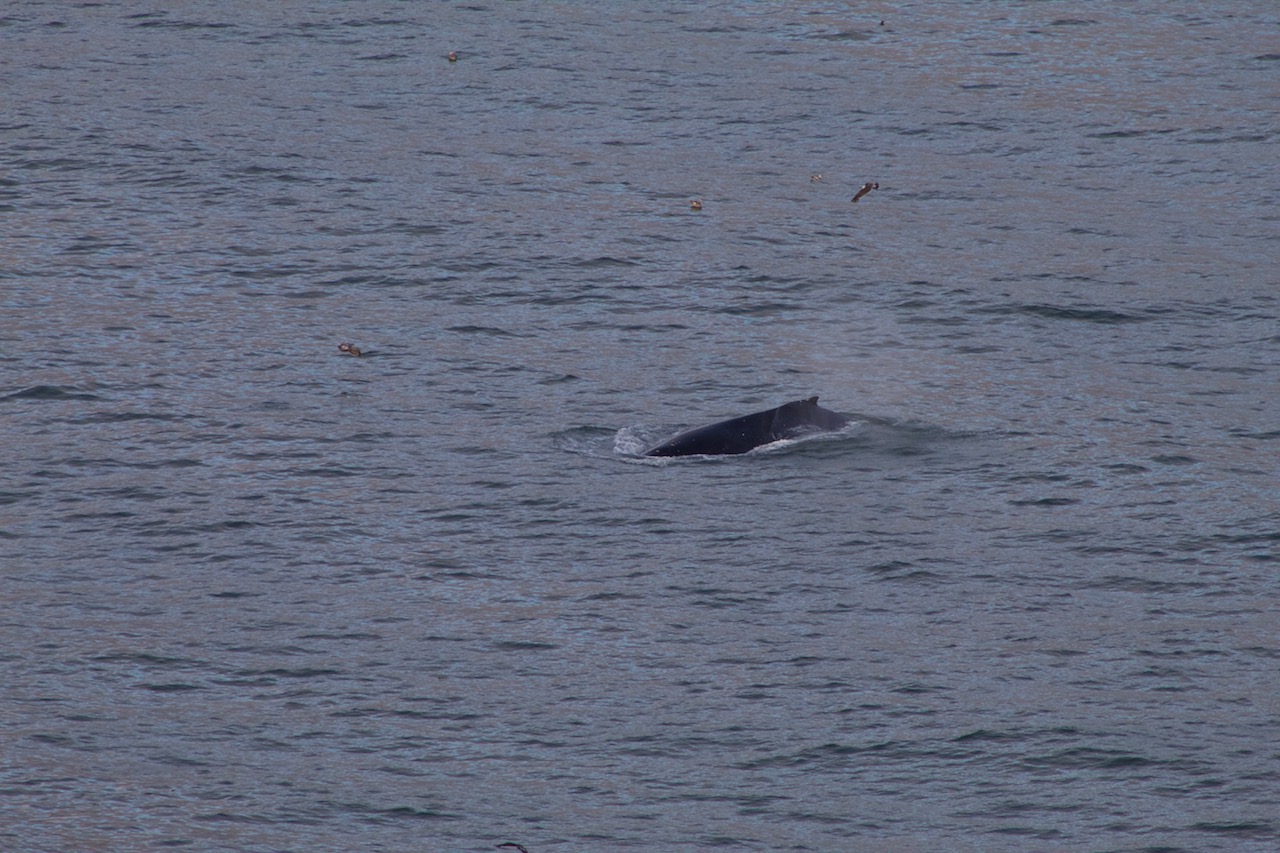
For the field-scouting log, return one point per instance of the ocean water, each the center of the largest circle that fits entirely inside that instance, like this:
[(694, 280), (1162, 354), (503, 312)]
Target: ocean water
[(261, 595)]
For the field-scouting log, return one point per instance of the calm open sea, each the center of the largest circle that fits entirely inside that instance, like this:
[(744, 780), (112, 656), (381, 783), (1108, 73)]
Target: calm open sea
[(259, 595)]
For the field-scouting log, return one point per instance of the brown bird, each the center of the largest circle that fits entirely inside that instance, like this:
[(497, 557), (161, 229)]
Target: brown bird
[(696, 204), (866, 188), (453, 56), (349, 349)]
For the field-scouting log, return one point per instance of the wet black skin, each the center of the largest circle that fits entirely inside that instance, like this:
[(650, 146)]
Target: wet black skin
[(739, 435)]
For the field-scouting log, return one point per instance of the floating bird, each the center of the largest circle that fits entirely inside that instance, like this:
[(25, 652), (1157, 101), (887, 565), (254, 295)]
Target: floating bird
[(453, 56), (866, 188), (813, 179), (349, 349), (514, 845), (696, 204)]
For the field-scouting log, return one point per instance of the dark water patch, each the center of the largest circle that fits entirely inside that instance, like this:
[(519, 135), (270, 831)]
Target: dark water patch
[(605, 262), (7, 497), (1146, 586), (837, 756), (1044, 502), (900, 571), (1238, 137), (49, 392), (1029, 832), (228, 817), (57, 164), (916, 689), (1233, 370), (414, 229), (300, 673), (355, 635), (484, 331), (933, 195), (1080, 314), (374, 279), (273, 172), (159, 20), (610, 596), (222, 526), (1136, 133), (1259, 829), (976, 126), (1174, 459), (843, 36), (180, 761), (989, 735), (152, 465), (1090, 758), (122, 417), (376, 815), (327, 472), (149, 661), (90, 245), (559, 379), (439, 638), (523, 646), (762, 309), (406, 714), (104, 515), (954, 320), (1039, 477), (584, 296)]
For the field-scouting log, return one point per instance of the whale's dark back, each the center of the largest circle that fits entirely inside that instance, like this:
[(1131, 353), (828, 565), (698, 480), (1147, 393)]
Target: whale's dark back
[(739, 435)]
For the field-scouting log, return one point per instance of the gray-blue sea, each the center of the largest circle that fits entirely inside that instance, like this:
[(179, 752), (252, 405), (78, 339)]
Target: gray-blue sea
[(259, 594)]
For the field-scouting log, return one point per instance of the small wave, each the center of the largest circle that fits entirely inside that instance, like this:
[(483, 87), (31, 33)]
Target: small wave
[(49, 392), (585, 441), (1082, 314), (627, 443), (489, 331), (122, 417), (605, 261), (1045, 502)]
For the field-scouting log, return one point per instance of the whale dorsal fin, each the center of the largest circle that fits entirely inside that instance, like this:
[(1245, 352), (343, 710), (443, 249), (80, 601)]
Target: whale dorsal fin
[(812, 401)]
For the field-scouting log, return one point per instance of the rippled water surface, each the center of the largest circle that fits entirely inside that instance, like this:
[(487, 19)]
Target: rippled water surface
[(260, 595)]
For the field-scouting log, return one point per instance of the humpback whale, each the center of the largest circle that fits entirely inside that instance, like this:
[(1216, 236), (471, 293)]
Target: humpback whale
[(738, 435)]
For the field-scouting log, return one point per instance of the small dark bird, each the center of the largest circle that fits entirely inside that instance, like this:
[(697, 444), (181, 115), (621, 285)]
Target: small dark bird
[(453, 56), (513, 844), (813, 179), (349, 349), (696, 204), (866, 188)]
